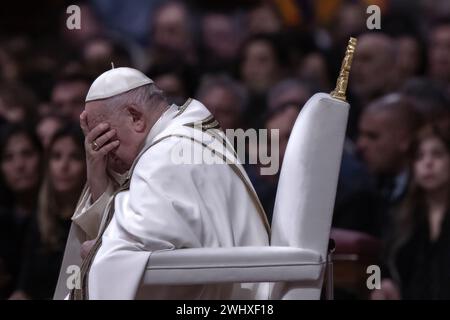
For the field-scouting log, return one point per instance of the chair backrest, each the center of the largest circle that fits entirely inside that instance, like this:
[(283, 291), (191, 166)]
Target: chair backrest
[(309, 174)]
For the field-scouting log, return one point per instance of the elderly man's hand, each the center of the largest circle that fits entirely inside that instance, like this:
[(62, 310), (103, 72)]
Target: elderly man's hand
[(98, 144)]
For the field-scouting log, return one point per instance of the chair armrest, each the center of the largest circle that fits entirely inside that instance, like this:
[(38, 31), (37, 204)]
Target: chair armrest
[(234, 264)]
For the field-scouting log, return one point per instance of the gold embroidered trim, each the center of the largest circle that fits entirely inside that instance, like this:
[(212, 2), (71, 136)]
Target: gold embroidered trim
[(183, 107)]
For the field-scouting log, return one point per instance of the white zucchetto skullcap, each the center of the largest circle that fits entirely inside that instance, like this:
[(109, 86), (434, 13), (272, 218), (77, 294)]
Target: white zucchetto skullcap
[(116, 81)]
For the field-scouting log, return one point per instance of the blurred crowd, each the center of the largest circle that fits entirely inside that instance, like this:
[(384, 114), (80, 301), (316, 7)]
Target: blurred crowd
[(254, 64)]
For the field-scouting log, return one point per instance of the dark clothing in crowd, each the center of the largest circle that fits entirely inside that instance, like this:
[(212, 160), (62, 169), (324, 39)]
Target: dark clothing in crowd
[(13, 231), (265, 187), (390, 193), (355, 198), (253, 116), (423, 265), (41, 264)]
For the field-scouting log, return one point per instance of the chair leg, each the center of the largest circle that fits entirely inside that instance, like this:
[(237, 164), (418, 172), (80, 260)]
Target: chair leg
[(329, 274), (329, 286)]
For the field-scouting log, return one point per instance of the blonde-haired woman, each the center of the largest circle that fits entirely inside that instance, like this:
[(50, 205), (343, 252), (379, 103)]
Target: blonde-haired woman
[(65, 177)]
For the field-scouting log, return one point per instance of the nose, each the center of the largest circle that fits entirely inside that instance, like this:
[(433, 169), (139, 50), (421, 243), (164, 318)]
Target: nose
[(62, 166), (428, 161), (19, 164)]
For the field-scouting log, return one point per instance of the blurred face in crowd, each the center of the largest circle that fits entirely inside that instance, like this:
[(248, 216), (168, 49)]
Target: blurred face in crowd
[(8, 67), (12, 113), (296, 95), (383, 142), (97, 50), (434, 9), (223, 105), (373, 67), (98, 53), (68, 98), (290, 100), (66, 165), (46, 128), (439, 53), (350, 21), (90, 26), (260, 68), (314, 69), (172, 86), (171, 29), (20, 164), (263, 19), (432, 165), (409, 50), (219, 35)]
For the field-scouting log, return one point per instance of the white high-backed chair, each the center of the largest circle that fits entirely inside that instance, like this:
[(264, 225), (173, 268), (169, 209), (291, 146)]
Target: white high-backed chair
[(296, 259)]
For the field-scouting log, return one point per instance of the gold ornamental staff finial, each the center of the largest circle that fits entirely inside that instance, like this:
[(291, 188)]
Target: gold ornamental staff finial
[(341, 83)]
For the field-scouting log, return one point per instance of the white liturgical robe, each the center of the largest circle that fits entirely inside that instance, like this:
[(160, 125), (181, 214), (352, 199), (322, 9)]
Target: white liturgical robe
[(171, 203)]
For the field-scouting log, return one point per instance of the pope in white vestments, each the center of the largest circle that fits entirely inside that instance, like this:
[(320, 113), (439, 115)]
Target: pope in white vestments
[(162, 202)]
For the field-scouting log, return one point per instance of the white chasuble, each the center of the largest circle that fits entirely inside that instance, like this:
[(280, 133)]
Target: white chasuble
[(174, 201)]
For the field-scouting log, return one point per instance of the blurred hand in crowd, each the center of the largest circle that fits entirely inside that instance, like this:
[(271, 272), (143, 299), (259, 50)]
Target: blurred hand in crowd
[(19, 295), (388, 291)]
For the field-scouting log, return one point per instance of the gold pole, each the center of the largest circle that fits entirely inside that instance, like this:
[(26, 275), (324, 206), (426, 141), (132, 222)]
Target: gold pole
[(342, 80)]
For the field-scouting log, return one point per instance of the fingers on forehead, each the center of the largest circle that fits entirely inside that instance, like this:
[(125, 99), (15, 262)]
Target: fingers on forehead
[(94, 120)]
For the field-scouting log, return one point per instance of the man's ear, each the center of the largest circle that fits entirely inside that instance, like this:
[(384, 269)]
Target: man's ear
[(137, 118)]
